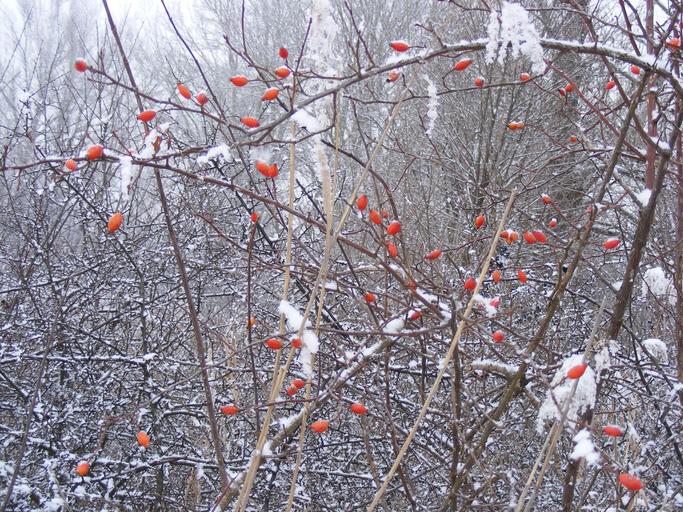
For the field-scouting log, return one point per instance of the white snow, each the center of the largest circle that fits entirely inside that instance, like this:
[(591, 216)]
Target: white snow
[(657, 349), (295, 321), (432, 105), (267, 452), (560, 390), (148, 149), (487, 304), (322, 48), (126, 176), (216, 152), (394, 326), (585, 449), (643, 196), (288, 421), (307, 120), (514, 29), (658, 284)]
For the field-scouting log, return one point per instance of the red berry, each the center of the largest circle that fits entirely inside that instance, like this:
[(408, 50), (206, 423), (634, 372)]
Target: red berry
[(392, 249), (359, 409), (521, 275), (462, 64), (434, 255), (274, 344), (631, 482), (470, 284), (362, 202), (498, 336), (298, 383), (270, 94), (184, 91), (282, 72), (147, 116), (239, 80), (80, 65), (283, 53), (479, 82), (612, 243), (250, 122), (524, 77), (400, 46), (202, 99), (577, 371), (394, 228), (229, 410), (375, 217), (612, 431), (370, 298), (496, 276), (610, 85), (320, 426)]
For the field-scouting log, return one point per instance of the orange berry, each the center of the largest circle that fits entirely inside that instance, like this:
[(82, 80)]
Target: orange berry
[(470, 284), (94, 152), (521, 275), (434, 255), (291, 390), (362, 202), (479, 82), (184, 91), (297, 343), (573, 138), (282, 72), (115, 222), (375, 217), (147, 116), (631, 482), (400, 46), (612, 243), (577, 371), (239, 80), (273, 343), (394, 228), (270, 94), (143, 439), (71, 164), (202, 99), (612, 431), (462, 64), (524, 77), (229, 410), (298, 383), (479, 221), (320, 426), (83, 468), (370, 298), (496, 276), (540, 237), (392, 250), (393, 75), (529, 237), (498, 336), (80, 65), (359, 409), (250, 122)]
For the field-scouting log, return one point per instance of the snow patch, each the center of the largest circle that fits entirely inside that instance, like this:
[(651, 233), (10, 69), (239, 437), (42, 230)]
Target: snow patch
[(643, 196), (394, 326), (585, 449), (432, 105), (307, 120), (559, 395), (657, 349), (311, 344), (658, 284), (516, 30)]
